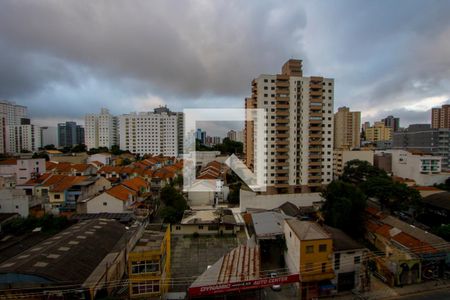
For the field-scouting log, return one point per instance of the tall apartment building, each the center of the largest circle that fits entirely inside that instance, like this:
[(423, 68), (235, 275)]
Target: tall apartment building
[(180, 125), (232, 135), (70, 134), (347, 128), (24, 137), (392, 122), (10, 114), (100, 130), (299, 123), (440, 117), (149, 133), (421, 137), (378, 132)]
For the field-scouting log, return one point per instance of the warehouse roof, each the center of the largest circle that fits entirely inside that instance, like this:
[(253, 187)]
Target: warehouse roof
[(71, 255)]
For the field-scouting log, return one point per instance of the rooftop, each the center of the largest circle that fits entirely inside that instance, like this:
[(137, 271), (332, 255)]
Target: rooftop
[(69, 256), (268, 224), (341, 241), (151, 238), (306, 230)]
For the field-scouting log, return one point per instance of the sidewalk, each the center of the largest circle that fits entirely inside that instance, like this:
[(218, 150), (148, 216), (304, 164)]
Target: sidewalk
[(381, 291)]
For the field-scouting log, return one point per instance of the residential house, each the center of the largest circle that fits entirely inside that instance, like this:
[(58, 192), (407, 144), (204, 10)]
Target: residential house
[(309, 253), (14, 201)]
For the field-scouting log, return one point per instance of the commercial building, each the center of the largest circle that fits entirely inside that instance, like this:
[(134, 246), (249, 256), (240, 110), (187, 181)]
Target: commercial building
[(421, 137), (150, 133), (90, 255), (299, 125), (423, 168), (392, 122), (100, 130), (440, 117), (70, 134), (347, 128), (309, 253), (342, 157), (149, 263), (378, 132)]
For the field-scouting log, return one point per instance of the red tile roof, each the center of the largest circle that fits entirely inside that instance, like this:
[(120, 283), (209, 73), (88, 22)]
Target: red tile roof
[(120, 192), (136, 184)]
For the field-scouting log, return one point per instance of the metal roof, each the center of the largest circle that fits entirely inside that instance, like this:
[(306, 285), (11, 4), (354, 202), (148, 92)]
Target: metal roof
[(268, 224), (70, 256)]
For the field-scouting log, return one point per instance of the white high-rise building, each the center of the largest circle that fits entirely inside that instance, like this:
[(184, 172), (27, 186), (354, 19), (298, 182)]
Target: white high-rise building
[(23, 137), (10, 114), (100, 130), (149, 133), (299, 123)]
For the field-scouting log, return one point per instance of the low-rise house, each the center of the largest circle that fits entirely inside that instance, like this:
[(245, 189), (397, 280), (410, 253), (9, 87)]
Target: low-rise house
[(208, 221), (349, 262), (66, 168), (309, 253), (118, 199), (23, 169), (149, 263), (104, 158), (411, 254)]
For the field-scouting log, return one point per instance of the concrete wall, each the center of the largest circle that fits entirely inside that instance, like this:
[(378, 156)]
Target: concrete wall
[(292, 255), (14, 201), (249, 199)]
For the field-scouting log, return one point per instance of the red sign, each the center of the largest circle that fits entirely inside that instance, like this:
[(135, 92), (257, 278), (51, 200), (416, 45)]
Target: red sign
[(241, 285)]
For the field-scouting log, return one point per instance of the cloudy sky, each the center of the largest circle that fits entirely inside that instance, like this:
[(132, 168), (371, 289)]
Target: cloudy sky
[(64, 59)]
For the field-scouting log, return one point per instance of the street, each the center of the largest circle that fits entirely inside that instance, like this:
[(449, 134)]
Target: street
[(443, 294)]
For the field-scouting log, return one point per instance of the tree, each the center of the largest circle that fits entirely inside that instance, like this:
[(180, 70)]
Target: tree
[(357, 171), (344, 208), (233, 196), (175, 204), (50, 147), (443, 231), (115, 150), (41, 155), (79, 148)]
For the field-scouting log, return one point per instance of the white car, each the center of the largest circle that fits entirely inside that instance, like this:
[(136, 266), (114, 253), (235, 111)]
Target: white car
[(275, 287)]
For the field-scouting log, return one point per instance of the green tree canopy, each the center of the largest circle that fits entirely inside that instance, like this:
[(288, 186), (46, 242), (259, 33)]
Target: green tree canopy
[(344, 207), (357, 171)]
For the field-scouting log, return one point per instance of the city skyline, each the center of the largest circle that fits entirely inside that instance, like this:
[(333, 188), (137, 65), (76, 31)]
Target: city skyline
[(66, 64)]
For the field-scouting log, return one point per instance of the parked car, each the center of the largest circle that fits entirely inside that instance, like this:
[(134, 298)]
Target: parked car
[(275, 287)]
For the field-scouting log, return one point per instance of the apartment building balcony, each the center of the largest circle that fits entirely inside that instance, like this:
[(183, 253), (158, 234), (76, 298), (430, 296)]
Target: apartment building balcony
[(281, 156), (282, 171), (314, 177), (316, 86), (281, 164), (281, 127), (282, 135), (315, 135), (282, 112), (315, 114), (282, 77), (315, 121), (282, 178), (315, 142), (315, 155), (281, 105), (315, 93), (282, 150), (315, 163), (281, 185), (282, 83), (281, 142)]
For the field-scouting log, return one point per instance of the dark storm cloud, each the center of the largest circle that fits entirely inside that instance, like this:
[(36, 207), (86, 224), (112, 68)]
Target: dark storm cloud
[(384, 54), (71, 57), (181, 49)]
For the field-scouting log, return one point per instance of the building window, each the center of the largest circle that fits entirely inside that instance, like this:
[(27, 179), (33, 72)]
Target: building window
[(177, 227), (337, 261), (357, 260), (145, 287), (322, 248), (144, 266), (309, 249), (213, 227), (57, 196), (200, 227)]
